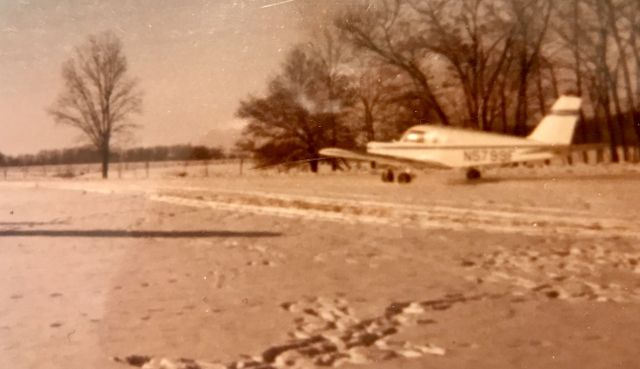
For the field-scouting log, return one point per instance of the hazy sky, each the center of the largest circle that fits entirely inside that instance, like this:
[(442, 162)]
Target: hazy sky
[(195, 60)]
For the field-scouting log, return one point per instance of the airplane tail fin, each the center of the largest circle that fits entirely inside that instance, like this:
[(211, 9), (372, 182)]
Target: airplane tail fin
[(558, 126)]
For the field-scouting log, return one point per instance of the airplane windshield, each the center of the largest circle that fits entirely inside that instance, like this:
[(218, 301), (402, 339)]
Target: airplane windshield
[(414, 136)]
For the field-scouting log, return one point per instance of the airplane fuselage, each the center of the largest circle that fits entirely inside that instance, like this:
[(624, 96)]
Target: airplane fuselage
[(459, 148)]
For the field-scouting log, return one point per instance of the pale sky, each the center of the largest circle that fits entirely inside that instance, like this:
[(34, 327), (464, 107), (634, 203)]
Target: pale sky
[(195, 60)]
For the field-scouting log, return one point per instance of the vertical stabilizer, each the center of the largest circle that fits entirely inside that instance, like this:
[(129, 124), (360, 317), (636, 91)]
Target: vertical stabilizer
[(557, 127)]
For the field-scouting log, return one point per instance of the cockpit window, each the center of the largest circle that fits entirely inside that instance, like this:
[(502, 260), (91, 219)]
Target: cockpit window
[(414, 136), (431, 137)]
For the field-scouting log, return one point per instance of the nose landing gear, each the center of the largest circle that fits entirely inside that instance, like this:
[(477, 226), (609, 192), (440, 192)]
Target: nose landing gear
[(388, 176)]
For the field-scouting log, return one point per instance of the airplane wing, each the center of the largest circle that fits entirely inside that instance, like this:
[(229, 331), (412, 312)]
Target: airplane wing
[(384, 160)]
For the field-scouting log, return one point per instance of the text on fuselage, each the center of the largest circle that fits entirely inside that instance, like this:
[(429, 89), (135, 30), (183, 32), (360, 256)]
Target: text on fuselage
[(490, 155)]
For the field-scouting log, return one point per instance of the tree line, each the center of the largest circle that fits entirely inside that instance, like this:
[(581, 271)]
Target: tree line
[(89, 154), (381, 66)]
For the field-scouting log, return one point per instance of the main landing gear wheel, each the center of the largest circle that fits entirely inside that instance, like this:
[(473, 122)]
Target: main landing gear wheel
[(388, 176), (404, 177), (473, 174)]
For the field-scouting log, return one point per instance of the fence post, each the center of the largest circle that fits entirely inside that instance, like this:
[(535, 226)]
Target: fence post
[(241, 162)]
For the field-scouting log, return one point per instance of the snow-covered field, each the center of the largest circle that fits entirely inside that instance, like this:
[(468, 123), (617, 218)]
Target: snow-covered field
[(529, 267)]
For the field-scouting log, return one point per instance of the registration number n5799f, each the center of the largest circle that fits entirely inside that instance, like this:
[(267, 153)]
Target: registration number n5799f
[(491, 155)]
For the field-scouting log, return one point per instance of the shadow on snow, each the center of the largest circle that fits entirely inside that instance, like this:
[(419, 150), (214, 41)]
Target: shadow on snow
[(115, 233)]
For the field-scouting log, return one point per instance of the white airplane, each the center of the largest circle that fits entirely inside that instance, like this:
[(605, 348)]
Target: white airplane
[(426, 146)]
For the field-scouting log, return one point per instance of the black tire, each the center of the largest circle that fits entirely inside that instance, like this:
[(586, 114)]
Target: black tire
[(388, 176), (404, 177), (473, 174)]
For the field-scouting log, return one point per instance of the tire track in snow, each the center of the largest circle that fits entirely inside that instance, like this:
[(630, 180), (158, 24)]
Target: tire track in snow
[(528, 220)]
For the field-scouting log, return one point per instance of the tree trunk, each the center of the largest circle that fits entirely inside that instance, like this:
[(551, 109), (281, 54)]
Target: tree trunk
[(520, 128), (313, 165), (613, 141), (636, 127), (554, 81), (620, 118), (104, 152), (582, 122), (626, 74), (368, 121), (427, 93), (503, 108), (540, 90)]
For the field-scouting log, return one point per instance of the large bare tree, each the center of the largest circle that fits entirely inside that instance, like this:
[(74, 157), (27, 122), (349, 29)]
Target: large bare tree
[(387, 31), (378, 110), (476, 46), (98, 97)]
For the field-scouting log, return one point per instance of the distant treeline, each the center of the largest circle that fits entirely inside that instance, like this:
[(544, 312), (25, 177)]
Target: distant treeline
[(88, 154)]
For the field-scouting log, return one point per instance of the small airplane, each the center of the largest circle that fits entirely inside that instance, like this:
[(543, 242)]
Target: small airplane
[(427, 146)]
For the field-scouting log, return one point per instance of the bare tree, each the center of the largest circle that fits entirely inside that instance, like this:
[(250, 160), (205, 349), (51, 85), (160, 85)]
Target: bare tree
[(632, 16), (614, 15), (603, 80), (377, 88), (370, 94), (333, 91), (531, 20), (387, 31), (98, 97), (475, 44), (570, 34), (600, 38)]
